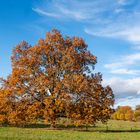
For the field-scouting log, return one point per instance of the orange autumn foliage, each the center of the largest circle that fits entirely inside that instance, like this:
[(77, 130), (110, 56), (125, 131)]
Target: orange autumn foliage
[(54, 79)]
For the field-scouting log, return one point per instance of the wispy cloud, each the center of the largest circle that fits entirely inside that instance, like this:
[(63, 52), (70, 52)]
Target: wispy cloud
[(124, 60), (113, 19), (125, 71), (77, 10), (45, 13), (128, 32), (124, 65)]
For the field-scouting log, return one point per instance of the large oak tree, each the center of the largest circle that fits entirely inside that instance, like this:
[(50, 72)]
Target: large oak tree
[(54, 79)]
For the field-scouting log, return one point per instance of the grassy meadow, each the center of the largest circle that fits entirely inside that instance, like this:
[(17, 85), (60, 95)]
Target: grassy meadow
[(44, 133)]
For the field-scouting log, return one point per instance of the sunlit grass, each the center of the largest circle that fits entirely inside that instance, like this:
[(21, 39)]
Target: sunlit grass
[(13, 133)]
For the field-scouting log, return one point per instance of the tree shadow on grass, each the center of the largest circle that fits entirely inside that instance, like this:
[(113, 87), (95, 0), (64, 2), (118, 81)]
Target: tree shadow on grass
[(41, 125), (58, 126), (109, 131), (81, 128)]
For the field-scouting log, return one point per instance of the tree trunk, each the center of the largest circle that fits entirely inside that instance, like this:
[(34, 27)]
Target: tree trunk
[(53, 124)]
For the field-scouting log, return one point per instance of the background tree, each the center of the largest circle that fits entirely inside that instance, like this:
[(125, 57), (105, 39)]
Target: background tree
[(137, 113), (124, 113), (54, 79), (137, 107)]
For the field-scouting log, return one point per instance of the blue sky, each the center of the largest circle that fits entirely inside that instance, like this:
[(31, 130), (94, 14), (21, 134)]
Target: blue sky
[(111, 28)]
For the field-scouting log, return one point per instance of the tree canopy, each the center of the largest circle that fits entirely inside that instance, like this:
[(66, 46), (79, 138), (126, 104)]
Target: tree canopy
[(52, 79), (124, 113), (137, 113)]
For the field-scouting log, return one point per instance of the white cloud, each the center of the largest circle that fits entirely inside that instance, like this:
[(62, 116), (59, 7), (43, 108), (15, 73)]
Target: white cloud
[(124, 60), (129, 33), (127, 91), (132, 58), (124, 87), (124, 64)]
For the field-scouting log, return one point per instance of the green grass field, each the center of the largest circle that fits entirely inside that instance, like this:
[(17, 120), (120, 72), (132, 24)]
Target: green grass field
[(13, 133)]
